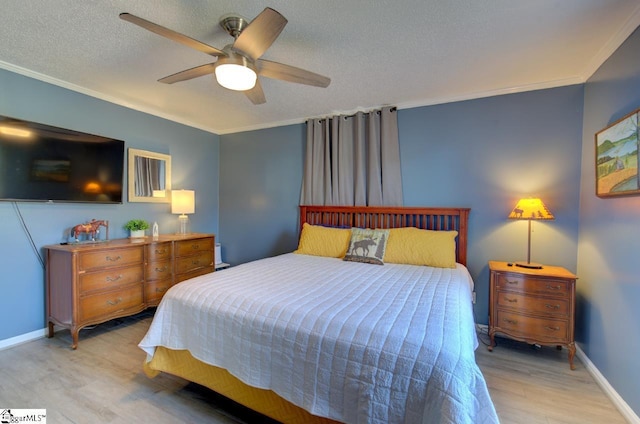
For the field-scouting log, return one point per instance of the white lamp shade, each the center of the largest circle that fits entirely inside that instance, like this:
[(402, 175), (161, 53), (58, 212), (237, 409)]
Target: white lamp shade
[(183, 201)]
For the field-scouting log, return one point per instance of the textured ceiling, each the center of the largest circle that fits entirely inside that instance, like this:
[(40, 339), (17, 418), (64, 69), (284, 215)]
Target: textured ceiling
[(387, 52)]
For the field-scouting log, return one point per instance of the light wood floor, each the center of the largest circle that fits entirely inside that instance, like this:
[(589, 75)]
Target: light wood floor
[(102, 382)]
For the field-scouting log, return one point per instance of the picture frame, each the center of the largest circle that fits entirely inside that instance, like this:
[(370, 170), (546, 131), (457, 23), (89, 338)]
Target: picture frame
[(617, 158)]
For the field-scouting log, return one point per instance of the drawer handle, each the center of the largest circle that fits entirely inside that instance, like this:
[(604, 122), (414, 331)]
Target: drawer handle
[(161, 251), (511, 300), (195, 246), (550, 287), (117, 258), (111, 279), (513, 283), (195, 262), (552, 328), (163, 269), (114, 302), (511, 321), (160, 290), (549, 306)]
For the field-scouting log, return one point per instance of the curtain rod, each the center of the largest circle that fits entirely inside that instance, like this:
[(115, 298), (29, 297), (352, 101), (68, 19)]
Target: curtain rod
[(392, 109)]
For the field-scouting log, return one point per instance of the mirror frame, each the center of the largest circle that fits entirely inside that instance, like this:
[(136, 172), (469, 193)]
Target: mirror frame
[(133, 153)]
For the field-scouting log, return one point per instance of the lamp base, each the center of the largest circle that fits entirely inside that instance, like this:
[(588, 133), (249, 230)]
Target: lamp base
[(183, 224), (530, 265)]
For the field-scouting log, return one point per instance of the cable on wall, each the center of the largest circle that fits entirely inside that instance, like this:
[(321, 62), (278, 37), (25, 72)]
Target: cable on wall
[(28, 233)]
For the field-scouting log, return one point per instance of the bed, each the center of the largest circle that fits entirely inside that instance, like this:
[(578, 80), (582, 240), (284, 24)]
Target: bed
[(307, 337)]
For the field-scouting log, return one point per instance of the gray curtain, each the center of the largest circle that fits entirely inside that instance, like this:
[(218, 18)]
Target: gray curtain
[(149, 176), (353, 160)]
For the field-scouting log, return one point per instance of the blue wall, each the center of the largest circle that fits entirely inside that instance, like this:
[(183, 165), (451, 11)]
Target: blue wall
[(195, 166), (484, 154), (609, 243), (260, 182)]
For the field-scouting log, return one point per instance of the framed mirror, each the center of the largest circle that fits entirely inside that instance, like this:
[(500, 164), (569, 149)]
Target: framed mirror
[(149, 176)]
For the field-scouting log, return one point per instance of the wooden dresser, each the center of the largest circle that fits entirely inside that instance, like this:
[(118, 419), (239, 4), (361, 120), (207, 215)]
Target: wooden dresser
[(92, 283), (536, 306)]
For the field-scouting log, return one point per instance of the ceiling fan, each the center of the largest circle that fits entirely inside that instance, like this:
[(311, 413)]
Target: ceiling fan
[(238, 64)]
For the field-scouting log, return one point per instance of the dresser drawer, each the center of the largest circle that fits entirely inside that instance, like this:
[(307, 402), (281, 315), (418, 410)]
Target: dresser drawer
[(110, 278), (110, 258), (159, 252), (188, 247), (155, 290), (159, 270), (540, 305), (195, 273), (545, 330), (192, 262), (110, 303), (530, 284)]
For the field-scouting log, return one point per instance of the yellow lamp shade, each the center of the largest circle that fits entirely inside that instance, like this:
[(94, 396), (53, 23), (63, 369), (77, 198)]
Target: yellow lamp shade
[(531, 208)]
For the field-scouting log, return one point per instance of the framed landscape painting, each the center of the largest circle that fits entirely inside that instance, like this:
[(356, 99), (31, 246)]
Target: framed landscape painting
[(617, 158)]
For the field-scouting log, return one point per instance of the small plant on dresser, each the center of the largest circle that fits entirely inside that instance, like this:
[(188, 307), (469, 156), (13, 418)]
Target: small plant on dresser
[(136, 227)]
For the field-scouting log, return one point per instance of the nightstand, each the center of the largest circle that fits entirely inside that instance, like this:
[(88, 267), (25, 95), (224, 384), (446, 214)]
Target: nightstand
[(536, 306)]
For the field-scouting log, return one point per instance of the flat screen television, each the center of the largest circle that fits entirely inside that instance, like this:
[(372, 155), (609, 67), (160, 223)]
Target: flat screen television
[(43, 163)]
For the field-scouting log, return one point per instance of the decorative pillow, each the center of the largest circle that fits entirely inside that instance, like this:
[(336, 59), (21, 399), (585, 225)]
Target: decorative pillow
[(414, 246), (367, 246), (317, 240)]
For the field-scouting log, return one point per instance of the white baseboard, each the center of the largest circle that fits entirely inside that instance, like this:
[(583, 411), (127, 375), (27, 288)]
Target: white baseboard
[(618, 402), (23, 338)]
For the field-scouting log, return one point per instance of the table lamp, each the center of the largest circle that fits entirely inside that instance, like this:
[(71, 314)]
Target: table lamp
[(530, 209), (183, 202)]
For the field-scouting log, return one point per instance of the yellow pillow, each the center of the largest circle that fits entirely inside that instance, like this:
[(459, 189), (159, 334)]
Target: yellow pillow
[(414, 246), (317, 240)]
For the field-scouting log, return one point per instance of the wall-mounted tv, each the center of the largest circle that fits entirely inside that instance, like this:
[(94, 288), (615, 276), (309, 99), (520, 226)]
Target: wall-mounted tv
[(43, 163)]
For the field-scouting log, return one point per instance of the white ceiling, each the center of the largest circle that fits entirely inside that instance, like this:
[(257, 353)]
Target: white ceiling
[(377, 52)]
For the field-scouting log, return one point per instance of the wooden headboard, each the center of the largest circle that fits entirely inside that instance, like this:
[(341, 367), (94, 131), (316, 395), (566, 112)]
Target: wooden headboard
[(439, 219)]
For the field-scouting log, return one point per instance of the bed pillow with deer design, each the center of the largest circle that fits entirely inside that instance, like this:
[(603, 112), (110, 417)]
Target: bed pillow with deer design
[(367, 246)]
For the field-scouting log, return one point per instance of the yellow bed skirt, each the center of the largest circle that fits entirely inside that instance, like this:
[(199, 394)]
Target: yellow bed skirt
[(266, 402)]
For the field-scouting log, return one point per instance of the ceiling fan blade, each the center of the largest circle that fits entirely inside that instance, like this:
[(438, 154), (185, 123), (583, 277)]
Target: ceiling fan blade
[(256, 95), (290, 73), (172, 35), (258, 36), (188, 74)]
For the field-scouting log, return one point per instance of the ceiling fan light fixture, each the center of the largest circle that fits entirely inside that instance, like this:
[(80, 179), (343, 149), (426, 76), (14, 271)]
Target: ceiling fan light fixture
[(235, 72)]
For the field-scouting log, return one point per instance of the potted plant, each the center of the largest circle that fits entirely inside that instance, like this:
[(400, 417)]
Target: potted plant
[(136, 227)]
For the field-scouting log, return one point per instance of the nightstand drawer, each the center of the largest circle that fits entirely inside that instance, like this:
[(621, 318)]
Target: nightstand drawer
[(529, 284), (540, 329), (521, 302)]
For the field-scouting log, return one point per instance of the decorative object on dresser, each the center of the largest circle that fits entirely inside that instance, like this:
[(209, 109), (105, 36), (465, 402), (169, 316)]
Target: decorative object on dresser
[(536, 306), (530, 209), (92, 283), (136, 227), (91, 229), (183, 202)]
